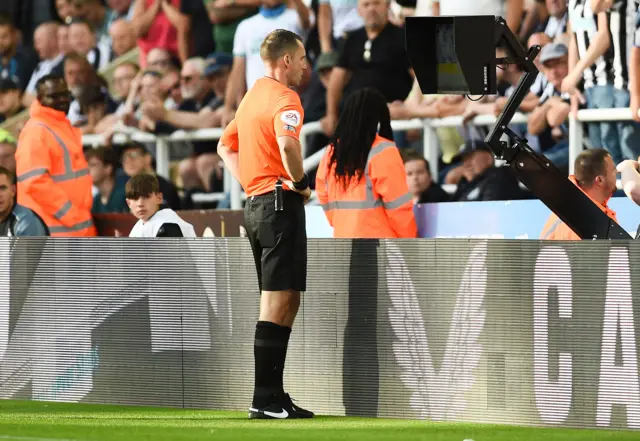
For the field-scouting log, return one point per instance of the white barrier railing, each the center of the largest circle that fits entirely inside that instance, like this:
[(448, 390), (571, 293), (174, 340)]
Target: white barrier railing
[(431, 149)]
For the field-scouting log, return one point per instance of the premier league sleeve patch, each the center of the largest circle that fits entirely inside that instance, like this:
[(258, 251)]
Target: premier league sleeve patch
[(291, 118), (289, 128)]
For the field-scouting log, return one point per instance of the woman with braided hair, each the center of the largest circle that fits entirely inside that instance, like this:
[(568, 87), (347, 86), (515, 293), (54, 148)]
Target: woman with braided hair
[(361, 181)]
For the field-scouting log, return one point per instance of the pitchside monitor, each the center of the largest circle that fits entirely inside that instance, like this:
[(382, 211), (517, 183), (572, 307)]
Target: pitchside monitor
[(453, 55)]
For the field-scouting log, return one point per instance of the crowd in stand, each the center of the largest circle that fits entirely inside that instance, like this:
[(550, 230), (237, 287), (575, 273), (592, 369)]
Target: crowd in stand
[(197, 58)]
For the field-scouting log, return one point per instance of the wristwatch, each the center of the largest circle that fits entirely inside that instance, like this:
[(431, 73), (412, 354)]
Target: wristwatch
[(302, 184)]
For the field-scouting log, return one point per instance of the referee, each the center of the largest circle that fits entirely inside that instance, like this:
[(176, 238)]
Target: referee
[(262, 150)]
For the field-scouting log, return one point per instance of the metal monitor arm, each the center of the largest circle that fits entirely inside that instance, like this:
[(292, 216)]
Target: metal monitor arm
[(535, 171)]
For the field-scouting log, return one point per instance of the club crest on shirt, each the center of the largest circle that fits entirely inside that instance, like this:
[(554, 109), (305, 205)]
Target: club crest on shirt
[(291, 118), (289, 128)]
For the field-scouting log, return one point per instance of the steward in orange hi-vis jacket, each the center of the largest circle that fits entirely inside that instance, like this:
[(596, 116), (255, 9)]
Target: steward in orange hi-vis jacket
[(361, 181), (53, 175), (595, 175)]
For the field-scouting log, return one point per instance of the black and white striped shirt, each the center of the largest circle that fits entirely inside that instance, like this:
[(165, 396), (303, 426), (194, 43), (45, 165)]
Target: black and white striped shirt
[(636, 34), (584, 25), (621, 19)]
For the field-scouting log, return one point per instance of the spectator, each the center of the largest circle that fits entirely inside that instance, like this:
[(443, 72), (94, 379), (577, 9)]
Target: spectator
[(171, 88), (77, 71), (556, 24), (159, 59), (136, 160), (217, 74), (122, 9), (110, 198), (78, 74), (8, 145), (14, 64), (226, 15), (123, 37), (595, 175), (16, 220), (481, 180), (547, 120), (512, 10), (611, 89), (314, 96), (336, 18), (372, 56), (248, 67), (65, 10), (10, 99), (538, 39), (63, 40), (123, 78), (82, 40), (314, 102), (195, 171), (51, 59), (419, 179), (146, 87), (95, 103), (98, 16), (158, 24), (52, 178), (199, 29)]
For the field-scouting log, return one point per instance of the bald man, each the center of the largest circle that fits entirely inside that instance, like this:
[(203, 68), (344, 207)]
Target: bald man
[(45, 40), (123, 37)]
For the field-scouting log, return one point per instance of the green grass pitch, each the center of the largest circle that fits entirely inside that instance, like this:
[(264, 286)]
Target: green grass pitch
[(39, 421)]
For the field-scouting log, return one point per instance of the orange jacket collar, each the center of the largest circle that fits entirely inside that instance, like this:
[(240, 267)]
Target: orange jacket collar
[(39, 111), (605, 207)]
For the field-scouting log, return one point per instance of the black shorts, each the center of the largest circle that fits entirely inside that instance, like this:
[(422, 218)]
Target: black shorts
[(278, 241)]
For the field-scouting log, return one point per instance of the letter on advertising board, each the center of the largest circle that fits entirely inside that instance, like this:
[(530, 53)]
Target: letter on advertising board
[(553, 399)]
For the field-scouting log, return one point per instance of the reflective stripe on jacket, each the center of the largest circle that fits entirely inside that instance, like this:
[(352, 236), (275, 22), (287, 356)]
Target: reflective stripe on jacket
[(53, 174), (378, 206), (555, 229)]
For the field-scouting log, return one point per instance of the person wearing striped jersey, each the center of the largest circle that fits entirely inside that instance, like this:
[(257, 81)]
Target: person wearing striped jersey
[(602, 33)]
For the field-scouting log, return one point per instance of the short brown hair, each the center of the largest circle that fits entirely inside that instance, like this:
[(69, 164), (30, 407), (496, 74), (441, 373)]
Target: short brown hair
[(106, 155), (589, 165), (8, 173), (142, 186), (412, 155), (278, 43)]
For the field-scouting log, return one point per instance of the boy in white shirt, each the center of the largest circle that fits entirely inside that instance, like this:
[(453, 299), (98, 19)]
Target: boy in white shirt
[(144, 199)]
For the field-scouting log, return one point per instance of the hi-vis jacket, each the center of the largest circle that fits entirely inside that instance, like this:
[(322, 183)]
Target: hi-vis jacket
[(379, 206), (555, 229), (53, 174)]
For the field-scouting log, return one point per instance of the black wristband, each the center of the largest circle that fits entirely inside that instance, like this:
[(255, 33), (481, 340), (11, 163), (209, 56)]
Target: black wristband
[(302, 184)]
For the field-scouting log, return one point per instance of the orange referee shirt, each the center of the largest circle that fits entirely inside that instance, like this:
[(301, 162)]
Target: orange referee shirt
[(269, 110)]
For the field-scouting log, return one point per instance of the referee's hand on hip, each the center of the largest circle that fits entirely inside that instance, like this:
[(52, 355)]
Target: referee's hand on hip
[(306, 193)]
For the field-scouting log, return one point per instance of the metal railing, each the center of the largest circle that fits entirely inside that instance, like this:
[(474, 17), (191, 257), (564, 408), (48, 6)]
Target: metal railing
[(430, 144)]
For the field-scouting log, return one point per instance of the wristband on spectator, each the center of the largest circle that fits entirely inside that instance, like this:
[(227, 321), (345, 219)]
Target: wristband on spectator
[(302, 184)]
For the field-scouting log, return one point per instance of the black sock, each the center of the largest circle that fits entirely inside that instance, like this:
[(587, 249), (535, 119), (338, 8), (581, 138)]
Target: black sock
[(270, 351)]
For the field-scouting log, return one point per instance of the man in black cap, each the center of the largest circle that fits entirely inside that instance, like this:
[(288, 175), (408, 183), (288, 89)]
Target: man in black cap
[(481, 179), (10, 99)]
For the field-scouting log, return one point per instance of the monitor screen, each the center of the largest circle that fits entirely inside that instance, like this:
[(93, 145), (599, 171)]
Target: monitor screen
[(453, 55), (450, 78)]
